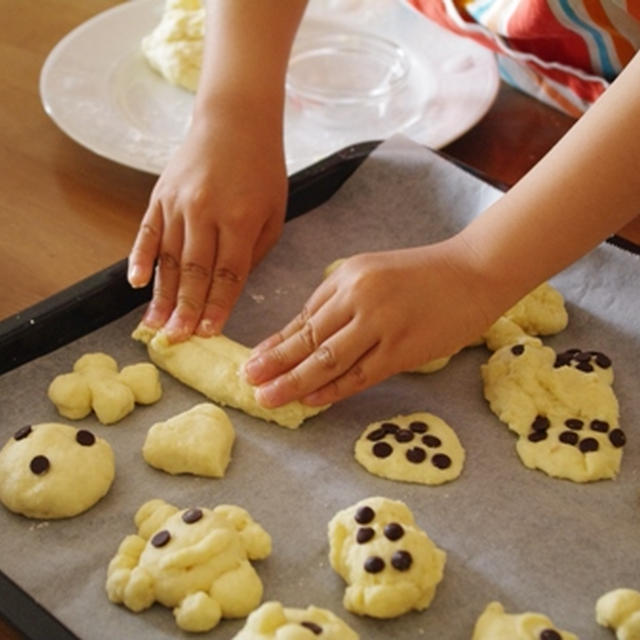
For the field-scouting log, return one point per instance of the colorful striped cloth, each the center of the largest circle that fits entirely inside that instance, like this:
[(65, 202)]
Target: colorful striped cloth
[(563, 52)]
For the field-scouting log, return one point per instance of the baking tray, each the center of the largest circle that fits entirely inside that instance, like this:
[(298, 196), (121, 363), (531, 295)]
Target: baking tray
[(106, 296)]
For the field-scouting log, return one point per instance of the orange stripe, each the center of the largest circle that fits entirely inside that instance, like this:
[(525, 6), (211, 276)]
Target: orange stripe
[(623, 48), (557, 98), (633, 8)]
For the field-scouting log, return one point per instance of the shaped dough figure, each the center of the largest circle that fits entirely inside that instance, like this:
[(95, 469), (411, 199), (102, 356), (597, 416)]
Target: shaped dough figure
[(389, 564), (562, 407), (495, 624), (620, 610), (272, 621), (95, 384), (193, 560)]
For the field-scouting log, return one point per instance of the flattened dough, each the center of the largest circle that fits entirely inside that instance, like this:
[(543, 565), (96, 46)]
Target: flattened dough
[(197, 441), (272, 621), (213, 366), (389, 564), (620, 610), (495, 624), (562, 407), (419, 447), (52, 470)]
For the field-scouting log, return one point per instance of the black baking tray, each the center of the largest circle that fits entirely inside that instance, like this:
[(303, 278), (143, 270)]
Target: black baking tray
[(106, 296)]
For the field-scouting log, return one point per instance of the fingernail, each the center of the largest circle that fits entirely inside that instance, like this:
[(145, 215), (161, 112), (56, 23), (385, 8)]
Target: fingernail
[(134, 276), (267, 395), (152, 318), (175, 330), (206, 328), (252, 369)]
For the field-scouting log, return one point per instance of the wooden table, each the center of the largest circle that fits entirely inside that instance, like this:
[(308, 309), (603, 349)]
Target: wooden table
[(66, 213)]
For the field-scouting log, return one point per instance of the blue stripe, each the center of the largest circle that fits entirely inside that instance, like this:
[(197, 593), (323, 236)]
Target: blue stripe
[(478, 9)]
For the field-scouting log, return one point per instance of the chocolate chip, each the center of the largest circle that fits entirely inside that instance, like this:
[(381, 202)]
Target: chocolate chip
[(389, 427), (562, 360), (537, 436), (401, 560), (377, 434), (584, 366), (517, 349), (431, 441), (85, 438), (364, 515), (541, 423), (550, 634), (588, 444), (600, 426), (582, 356), (602, 360), (404, 435), (416, 455), (441, 461), (39, 464), (22, 433), (617, 438), (312, 626), (574, 423), (364, 534), (393, 531), (373, 564), (382, 449), (161, 538), (417, 426), (192, 515), (569, 437)]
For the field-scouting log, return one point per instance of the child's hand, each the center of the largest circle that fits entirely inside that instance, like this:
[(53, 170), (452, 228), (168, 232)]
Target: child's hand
[(376, 315), (216, 210)]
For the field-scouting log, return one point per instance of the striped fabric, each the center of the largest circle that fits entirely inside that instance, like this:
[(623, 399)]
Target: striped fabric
[(563, 52)]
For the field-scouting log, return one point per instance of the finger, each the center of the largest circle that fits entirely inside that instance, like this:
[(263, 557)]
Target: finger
[(145, 247)]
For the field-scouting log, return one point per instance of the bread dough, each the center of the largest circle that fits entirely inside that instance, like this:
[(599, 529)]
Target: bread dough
[(52, 470), (197, 441), (495, 624), (272, 621), (620, 610), (389, 564), (419, 447), (195, 560), (95, 384), (175, 47), (214, 367), (562, 407)]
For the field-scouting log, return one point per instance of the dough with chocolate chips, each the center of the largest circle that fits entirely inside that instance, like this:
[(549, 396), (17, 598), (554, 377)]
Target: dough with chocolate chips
[(562, 407), (495, 624), (196, 561), (52, 470), (197, 441), (272, 621), (419, 447), (620, 610), (390, 565)]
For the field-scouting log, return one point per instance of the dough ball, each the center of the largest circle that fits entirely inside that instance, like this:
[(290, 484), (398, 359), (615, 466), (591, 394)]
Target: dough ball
[(620, 610)]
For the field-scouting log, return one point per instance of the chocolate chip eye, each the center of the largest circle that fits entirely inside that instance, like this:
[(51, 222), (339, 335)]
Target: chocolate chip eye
[(192, 515), (376, 434), (537, 436), (574, 423), (39, 465), (390, 427), (312, 626), (85, 438), (541, 423), (401, 560), (587, 367), (364, 534), (431, 441), (373, 564), (550, 634), (416, 455), (417, 426), (161, 538), (22, 433), (602, 360), (382, 449), (364, 515), (588, 444), (393, 531), (569, 437), (517, 349), (617, 438), (599, 425), (441, 461), (404, 435)]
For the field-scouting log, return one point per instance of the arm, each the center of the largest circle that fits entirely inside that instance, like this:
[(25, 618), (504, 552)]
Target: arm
[(219, 205), (365, 323)]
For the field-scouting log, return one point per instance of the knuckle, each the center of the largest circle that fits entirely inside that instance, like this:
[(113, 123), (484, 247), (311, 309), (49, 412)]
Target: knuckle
[(148, 232), (326, 357), (357, 376), (195, 271), (227, 275), (167, 262), (308, 337), (187, 303)]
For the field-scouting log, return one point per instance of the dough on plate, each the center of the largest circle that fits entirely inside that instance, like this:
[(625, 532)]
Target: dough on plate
[(195, 561), (620, 610), (95, 384), (52, 470), (272, 621), (389, 564), (561, 406), (495, 624), (419, 447), (197, 441), (214, 367)]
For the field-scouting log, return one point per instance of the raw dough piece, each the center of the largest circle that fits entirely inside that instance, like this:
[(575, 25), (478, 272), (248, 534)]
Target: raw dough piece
[(197, 441), (96, 384), (495, 624), (620, 610), (52, 470), (389, 564), (193, 560), (174, 48), (419, 447), (562, 407), (272, 621), (214, 367)]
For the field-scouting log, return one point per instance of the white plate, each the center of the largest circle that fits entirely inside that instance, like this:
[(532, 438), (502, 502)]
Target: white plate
[(97, 87)]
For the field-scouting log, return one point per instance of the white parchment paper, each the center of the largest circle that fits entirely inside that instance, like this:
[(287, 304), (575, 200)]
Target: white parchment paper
[(511, 534)]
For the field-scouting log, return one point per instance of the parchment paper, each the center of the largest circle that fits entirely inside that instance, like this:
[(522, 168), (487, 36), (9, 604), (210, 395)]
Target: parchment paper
[(511, 534)]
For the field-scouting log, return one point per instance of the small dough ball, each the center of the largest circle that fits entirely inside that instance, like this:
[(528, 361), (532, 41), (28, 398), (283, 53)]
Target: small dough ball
[(620, 610), (197, 441)]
